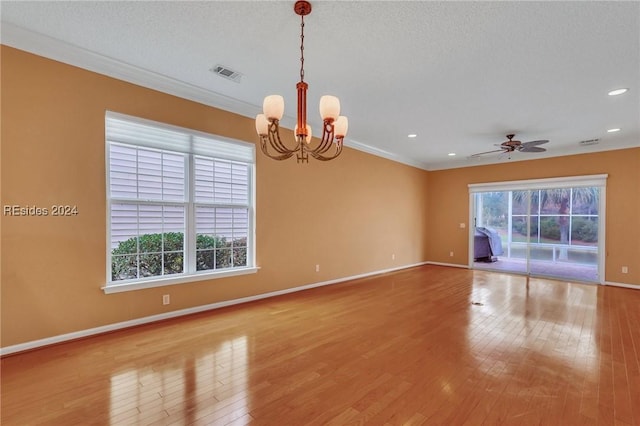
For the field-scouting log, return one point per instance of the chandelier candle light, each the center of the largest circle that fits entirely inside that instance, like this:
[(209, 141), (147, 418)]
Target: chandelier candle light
[(334, 125)]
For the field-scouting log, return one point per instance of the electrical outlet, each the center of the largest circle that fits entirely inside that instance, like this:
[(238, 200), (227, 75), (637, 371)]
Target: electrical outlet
[(166, 299), (393, 257), (450, 254), (463, 225), (317, 268), (625, 270)]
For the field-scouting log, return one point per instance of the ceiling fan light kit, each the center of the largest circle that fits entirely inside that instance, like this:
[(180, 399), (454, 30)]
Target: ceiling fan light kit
[(334, 127), (511, 145)]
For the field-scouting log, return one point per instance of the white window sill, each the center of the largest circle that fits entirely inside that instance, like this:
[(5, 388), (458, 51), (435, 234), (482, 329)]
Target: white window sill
[(160, 282)]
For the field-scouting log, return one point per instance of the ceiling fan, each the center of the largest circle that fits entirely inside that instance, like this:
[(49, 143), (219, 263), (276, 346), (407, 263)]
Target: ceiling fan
[(510, 146)]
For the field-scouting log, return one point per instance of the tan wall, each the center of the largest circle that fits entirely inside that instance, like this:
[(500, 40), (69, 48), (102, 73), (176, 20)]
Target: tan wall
[(449, 204), (349, 216)]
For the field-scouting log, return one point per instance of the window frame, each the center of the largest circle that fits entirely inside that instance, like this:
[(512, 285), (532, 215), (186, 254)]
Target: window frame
[(599, 181), (190, 204)]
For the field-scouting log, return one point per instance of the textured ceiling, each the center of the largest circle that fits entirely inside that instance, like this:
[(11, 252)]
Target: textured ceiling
[(460, 75)]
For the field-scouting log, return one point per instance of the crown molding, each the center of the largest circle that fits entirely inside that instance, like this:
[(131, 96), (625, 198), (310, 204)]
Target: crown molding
[(385, 154), (61, 51)]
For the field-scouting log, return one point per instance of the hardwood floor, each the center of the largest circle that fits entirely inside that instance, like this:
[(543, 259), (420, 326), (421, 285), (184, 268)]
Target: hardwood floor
[(429, 345)]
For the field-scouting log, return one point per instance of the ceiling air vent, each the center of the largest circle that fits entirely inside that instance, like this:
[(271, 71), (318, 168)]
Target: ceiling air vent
[(228, 73), (589, 142)]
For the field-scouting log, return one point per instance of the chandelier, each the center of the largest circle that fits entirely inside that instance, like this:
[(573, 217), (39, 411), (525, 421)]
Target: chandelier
[(334, 126)]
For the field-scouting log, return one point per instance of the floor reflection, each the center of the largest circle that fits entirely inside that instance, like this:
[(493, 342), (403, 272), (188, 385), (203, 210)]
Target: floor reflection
[(544, 324), (190, 389)]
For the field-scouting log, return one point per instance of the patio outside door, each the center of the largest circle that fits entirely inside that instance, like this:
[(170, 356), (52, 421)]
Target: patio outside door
[(550, 231)]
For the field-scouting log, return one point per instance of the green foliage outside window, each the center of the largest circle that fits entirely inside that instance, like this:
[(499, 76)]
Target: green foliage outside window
[(582, 229), (146, 254)]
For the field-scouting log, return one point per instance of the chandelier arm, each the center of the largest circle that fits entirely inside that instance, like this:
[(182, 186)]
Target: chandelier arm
[(327, 138), (328, 157), (265, 150), (275, 141), (269, 128), (276, 144)]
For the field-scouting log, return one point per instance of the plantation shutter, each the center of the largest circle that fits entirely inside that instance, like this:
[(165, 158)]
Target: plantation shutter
[(160, 179)]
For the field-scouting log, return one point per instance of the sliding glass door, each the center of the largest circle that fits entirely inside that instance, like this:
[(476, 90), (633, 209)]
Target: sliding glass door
[(552, 231)]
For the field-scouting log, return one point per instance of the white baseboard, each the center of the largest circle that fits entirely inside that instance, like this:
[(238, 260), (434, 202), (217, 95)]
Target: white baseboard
[(614, 284), (453, 265), (173, 314)]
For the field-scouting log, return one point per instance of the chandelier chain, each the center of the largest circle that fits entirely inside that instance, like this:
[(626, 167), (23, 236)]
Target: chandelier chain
[(302, 49), (334, 126)]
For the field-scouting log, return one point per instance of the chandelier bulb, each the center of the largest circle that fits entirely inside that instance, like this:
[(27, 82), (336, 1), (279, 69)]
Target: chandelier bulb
[(262, 125), (341, 126), (307, 137), (273, 107), (329, 108), (329, 145)]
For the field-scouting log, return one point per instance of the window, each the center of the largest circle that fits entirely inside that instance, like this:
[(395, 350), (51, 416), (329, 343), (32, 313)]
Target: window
[(547, 227), (180, 204)]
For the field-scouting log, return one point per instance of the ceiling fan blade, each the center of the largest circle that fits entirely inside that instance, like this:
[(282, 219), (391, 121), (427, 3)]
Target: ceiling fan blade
[(531, 149), (534, 143), (487, 152)]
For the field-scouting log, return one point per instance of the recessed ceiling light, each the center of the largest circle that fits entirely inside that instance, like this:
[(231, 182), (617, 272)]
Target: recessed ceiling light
[(411, 135), (451, 154), (613, 130), (617, 92)]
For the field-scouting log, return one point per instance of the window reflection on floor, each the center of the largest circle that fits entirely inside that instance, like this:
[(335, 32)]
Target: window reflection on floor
[(190, 388), (516, 321)]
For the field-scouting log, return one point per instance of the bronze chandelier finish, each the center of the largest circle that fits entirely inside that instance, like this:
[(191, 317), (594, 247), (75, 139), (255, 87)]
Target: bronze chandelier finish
[(331, 143)]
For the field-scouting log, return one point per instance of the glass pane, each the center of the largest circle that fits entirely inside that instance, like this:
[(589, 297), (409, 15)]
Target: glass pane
[(494, 210), (173, 176), (203, 179), (150, 265), (149, 174), (555, 201), (519, 228), (534, 229), (584, 231), (239, 257), (204, 241), (223, 258), (222, 182), (124, 228), (205, 260), (585, 200), (535, 206), (240, 224), (124, 267), (550, 229), (173, 219), (173, 263), (173, 241), (520, 201), (240, 183), (563, 227), (150, 224), (123, 181), (224, 223), (205, 220)]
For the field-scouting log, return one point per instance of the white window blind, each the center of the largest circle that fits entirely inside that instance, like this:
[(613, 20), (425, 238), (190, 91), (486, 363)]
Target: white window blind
[(180, 202), (145, 133)]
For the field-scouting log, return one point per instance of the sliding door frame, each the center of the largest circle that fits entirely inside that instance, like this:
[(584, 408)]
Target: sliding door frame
[(599, 181)]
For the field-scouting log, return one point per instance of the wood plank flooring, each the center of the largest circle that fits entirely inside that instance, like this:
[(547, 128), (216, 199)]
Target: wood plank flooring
[(429, 345)]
